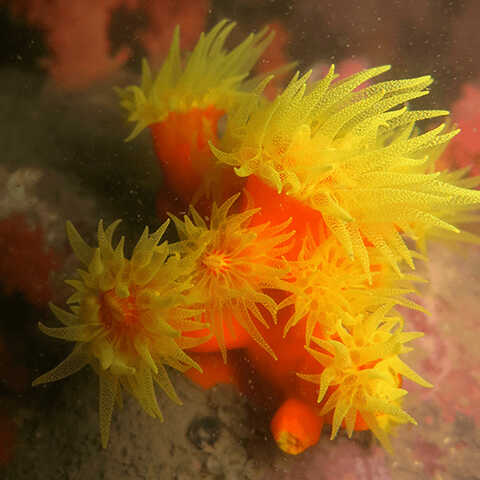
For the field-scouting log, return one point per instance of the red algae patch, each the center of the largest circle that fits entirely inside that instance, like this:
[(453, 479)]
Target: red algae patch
[(26, 262), (8, 435)]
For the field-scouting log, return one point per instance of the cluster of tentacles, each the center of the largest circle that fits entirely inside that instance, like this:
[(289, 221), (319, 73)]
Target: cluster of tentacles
[(292, 262)]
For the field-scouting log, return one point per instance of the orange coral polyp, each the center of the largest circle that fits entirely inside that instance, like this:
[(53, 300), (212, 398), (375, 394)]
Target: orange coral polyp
[(217, 263), (296, 426), (235, 266), (181, 144), (120, 316)]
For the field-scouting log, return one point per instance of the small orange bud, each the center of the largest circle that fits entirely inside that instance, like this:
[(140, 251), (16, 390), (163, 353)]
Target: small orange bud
[(296, 426)]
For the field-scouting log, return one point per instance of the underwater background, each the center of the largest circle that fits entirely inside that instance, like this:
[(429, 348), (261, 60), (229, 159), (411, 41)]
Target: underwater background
[(64, 157)]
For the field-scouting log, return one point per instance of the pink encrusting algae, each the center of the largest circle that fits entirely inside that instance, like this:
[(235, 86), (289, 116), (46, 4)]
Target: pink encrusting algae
[(77, 33), (464, 150)]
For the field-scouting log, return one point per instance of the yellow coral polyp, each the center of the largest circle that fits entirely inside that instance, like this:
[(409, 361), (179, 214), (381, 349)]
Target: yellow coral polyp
[(235, 263), (364, 367), (211, 76), (354, 155), (127, 319), (327, 285)]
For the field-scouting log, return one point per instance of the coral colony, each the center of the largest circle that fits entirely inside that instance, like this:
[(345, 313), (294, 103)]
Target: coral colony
[(306, 215)]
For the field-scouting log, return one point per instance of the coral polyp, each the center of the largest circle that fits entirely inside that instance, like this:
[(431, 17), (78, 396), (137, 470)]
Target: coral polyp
[(127, 319), (351, 155), (362, 373), (235, 264), (182, 105), (327, 285), (211, 77)]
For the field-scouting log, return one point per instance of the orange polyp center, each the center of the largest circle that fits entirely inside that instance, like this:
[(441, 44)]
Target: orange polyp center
[(120, 316), (218, 263), (181, 144)]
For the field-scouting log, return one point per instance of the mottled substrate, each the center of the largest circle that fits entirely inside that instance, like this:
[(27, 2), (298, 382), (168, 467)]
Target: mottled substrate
[(73, 134), (206, 438)]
